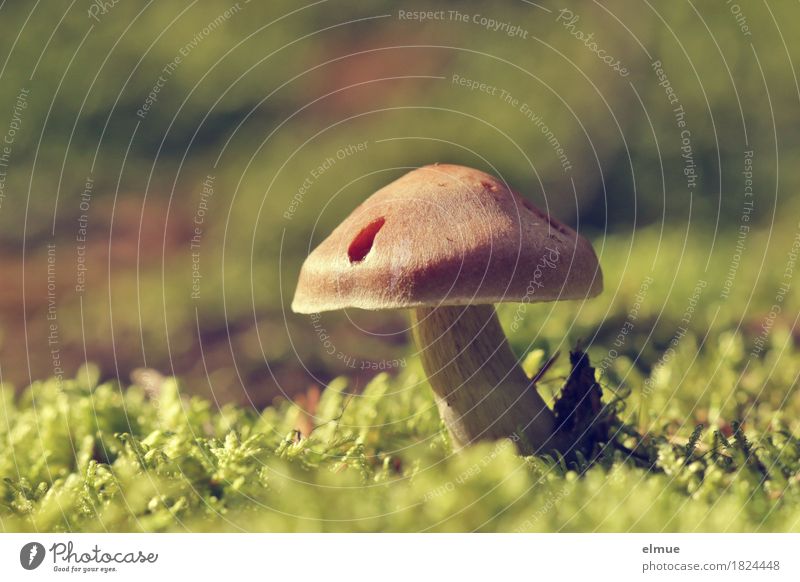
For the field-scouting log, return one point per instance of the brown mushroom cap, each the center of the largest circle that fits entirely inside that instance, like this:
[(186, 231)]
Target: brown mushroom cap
[(446, 235)]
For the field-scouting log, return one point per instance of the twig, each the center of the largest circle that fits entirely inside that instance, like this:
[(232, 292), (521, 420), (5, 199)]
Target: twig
[(546, 366)]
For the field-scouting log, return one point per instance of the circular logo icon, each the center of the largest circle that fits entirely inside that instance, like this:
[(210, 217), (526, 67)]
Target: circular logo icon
[(31, 555)]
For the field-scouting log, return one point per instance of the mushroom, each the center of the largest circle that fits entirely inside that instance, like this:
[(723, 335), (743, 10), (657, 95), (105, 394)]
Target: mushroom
[(448, 242)]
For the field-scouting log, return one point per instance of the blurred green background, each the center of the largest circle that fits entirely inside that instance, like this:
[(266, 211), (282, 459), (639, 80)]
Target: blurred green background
[(221, 112)]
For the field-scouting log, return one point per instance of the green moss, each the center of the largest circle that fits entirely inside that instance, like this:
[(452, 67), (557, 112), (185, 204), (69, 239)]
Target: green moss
[(80, 457)]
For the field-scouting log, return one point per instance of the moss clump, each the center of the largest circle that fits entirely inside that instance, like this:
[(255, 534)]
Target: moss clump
[(83, 457)]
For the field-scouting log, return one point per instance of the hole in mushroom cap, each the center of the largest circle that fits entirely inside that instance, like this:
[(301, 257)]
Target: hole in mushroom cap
[(362, 244)]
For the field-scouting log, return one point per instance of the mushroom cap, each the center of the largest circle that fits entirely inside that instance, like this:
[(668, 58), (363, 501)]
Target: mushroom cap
[(446, 235)]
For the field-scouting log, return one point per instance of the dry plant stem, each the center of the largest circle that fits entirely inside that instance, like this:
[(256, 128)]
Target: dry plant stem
[(481, 391)]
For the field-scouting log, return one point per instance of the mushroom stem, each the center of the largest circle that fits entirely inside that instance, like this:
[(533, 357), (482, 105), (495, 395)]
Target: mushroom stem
[(481, 391)]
